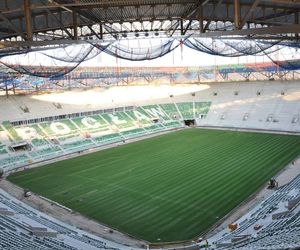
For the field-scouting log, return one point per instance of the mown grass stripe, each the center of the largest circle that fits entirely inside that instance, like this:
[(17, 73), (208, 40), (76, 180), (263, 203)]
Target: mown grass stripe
[(171, 187)]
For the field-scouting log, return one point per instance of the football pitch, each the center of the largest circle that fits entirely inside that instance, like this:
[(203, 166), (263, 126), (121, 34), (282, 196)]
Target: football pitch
[(166, 188)]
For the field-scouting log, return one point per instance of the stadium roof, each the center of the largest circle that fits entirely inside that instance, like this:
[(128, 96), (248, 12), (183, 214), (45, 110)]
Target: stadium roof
[(36, 23)]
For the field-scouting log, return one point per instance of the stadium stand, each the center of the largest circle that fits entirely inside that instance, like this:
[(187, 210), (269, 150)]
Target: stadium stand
[(271, 106), (267, 106), (35, 126), (119, 119), (49, 139), (273, 224), (94, 123), (156, 112), (22, 227), (172, 110), (108, 138), (187, 110), (140, 116)]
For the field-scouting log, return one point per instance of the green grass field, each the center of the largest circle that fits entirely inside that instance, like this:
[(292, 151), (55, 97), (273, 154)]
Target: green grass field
[(167, 188)]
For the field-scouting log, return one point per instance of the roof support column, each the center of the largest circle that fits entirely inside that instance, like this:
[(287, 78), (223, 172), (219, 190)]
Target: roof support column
[(181, 27), (200, 16), (75, 33), (101, 31), (6, 89), (28, 20), (297, 22), (237, 14)]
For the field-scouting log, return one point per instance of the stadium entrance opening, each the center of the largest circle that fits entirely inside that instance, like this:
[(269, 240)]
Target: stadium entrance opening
[(155, 120), (190, 123), (20, 146)]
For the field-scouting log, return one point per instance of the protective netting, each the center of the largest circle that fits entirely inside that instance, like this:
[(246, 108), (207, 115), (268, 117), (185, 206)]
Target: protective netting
[(73, 54), (61, 61), (230, 47), (141, 53)]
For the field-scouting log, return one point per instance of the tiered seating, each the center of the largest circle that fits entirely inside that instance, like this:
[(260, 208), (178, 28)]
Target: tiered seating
[(78, 144), (59, 128), (201, 108), (51, 139), (120, 119), (1, 131), (11, 131), (279, 225), (94, 123), (154, 127), (15, 160), (156, 112), (140, 116), (28, 132), (173, 124), (171, 110), (108, 138), (186, 109), (133, 132), (12, 240), (2, 149), (45, 152), (16, 230), (39, 142)]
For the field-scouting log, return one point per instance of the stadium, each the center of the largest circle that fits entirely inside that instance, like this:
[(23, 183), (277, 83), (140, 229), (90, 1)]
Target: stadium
[(159, 124)]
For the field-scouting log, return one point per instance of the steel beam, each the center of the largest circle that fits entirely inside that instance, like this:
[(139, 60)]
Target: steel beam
[(11, 25), (249, 13), (75, 25), (101, 30), (284, 29), (212, 14), (237, 14), (28, 23), (276, 15), (21, 44), (181, 27), (60, 23), (274, 30), (109, 3), (200, 19), (297, 22), (186, 28)]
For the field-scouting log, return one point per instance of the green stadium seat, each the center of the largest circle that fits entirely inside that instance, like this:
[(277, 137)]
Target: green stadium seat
[(108, 138), (3, 150), (94, 123), (48, 151), (201, 108), (78, 144), (120, 119), (173, 124), (171, 110), (133, 133), (186, 109), (31, 132), (13, 160), (39, 142), (50, 139), (154, 128), (58, 128), (140, 116), (155, 111), (11, 131)]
